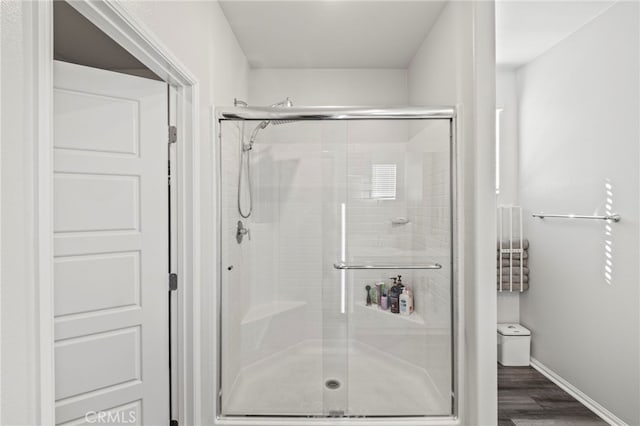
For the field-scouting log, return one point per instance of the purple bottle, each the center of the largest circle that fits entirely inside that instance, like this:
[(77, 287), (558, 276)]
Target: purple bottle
[(384, 302)]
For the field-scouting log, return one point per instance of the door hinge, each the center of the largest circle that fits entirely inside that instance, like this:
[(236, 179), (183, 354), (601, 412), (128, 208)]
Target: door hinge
[(173, 134), (173, 282)]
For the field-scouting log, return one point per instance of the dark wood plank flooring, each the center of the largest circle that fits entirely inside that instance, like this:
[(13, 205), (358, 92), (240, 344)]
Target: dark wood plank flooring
[(527, 398)]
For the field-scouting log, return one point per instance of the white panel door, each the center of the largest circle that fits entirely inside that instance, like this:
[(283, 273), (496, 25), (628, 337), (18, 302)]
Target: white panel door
[(110, 239)]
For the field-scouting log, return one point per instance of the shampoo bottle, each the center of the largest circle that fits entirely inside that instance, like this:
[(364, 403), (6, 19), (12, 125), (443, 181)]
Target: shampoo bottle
[(384, 302), (404, 302), (394, 297), (400, 285), (379, 289)]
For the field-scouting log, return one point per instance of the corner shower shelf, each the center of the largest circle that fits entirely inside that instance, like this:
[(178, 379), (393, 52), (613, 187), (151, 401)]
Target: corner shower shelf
[(266, 310), (414, 317)]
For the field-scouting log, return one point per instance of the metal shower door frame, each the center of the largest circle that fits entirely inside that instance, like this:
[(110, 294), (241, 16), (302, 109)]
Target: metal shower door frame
[(328, 113)]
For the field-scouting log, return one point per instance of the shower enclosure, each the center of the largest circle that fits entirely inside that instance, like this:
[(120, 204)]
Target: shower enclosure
[(337, 200)]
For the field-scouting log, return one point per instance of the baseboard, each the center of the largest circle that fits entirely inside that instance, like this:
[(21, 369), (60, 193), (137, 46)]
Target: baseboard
[(592, 405)]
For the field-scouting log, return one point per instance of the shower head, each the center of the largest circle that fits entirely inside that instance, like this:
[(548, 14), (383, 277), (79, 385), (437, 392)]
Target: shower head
[(287, 103), (279, 122)]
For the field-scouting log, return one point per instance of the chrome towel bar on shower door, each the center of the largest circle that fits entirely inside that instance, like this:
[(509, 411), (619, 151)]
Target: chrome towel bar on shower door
[(614, 217), (343, 265)]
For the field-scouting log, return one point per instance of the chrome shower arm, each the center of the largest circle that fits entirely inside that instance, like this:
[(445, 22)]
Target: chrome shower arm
[(286, 103)]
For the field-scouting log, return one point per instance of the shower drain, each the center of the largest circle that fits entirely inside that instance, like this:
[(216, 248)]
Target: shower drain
[(332, 384)]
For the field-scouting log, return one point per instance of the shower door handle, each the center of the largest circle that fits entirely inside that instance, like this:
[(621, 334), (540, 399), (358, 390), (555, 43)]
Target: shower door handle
[(342, 266)]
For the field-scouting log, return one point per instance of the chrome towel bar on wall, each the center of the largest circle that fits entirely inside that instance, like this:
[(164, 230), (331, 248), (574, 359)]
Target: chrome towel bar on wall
[(354, 266), (613, 217)]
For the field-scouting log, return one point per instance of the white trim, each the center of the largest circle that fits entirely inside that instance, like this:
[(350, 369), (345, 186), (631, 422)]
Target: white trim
[(459, 317), (43, 191), (1, 199), (115, 21), (348, 421), (585, 400)]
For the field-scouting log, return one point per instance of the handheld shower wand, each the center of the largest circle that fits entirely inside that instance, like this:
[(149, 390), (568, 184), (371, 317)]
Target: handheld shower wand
[(245, 155)]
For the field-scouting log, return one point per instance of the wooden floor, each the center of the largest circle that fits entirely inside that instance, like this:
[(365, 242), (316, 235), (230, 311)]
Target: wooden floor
[(527, 398)]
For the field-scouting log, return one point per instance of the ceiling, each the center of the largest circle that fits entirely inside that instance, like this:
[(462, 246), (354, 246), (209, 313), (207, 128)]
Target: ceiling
[(340, 33), (331, 33), (525, 29)]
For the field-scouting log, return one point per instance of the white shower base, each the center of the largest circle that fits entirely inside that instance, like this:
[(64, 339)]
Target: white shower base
[(373, 383)]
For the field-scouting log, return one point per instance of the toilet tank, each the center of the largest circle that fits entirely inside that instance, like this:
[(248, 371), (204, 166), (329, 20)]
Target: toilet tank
[(514, 345)]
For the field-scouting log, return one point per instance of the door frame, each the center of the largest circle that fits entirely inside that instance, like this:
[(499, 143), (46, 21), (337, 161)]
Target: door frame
[(115, 21)]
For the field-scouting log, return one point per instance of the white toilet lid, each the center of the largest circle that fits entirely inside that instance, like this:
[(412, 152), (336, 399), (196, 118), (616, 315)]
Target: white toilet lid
[(513, 329)]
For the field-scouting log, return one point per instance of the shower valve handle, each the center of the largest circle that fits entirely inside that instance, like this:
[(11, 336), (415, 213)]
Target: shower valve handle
[(241, 232)]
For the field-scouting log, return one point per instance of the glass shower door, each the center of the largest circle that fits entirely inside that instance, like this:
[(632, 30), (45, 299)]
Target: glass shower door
[(312, 213), (283, 332), (398, 220)]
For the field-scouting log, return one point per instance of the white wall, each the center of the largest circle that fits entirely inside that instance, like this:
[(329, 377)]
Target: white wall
[(508, 307), (341, 87), (456, 66), (507, 101), (579, 136)]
